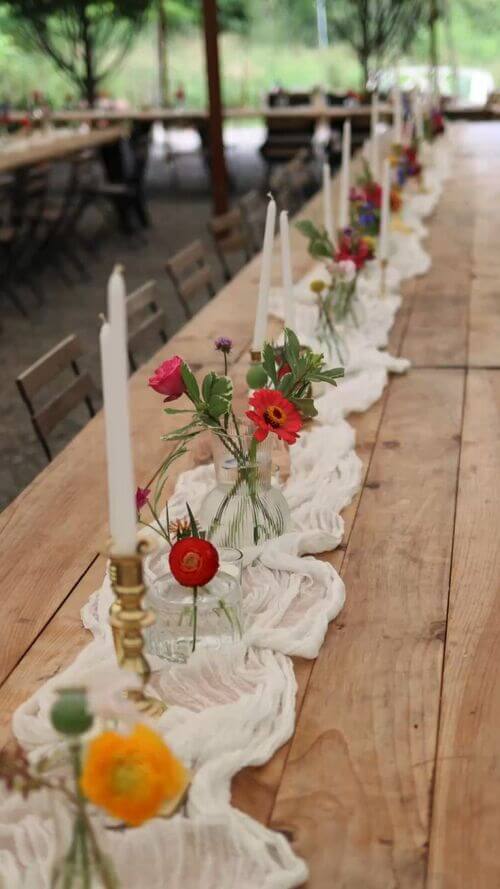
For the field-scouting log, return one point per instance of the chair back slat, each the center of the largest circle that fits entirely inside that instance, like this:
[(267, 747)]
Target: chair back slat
[(190, 274), (46, 370), (50, 365), (154, 323), (61, 405), (187, 257), (142, 298), (194, 283), (229, 236), (254, 209), (144, 319)]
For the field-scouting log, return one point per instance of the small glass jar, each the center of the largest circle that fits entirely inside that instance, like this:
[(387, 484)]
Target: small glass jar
[(188, 619), (245, 508)]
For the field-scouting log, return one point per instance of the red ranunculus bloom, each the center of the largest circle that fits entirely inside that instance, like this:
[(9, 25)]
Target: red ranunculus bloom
[(272, 412), (413, 165), (193, 561), (141, 498), (284, 369), (358, 249), (167, 379), (373, 194)]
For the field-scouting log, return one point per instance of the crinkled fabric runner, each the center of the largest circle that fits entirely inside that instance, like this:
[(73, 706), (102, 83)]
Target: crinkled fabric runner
[(235, 707)]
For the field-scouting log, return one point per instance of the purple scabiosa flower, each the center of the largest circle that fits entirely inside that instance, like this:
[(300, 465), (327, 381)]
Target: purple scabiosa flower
[(223, 344)]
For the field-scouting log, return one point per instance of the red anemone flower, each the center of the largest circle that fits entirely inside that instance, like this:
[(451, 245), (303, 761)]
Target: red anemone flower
[(193, 561), (373, 194), (272, 412)]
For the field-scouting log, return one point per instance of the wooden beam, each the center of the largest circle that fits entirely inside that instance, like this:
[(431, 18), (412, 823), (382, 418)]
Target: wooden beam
[(216, 142)]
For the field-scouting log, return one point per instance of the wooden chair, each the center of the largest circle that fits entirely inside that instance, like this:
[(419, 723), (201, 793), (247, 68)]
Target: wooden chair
[(190, 274), (144, 319), (229, 236), (43, 372), (253, 209)]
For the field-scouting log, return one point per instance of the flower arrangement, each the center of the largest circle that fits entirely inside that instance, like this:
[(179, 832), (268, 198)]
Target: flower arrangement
[(433, 124), (366, 203), (405, 160), (278, 409), (352, 244), (132, 777)]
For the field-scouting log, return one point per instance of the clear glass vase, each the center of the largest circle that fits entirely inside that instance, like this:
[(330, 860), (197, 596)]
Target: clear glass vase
[(246, 507), (187, 619)]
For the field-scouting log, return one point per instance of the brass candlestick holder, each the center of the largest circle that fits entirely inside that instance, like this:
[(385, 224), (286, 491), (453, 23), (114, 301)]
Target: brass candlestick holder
[(383, 278), (128, 619)]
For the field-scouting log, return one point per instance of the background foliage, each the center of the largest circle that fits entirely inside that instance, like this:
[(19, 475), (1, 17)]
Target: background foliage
[(263, 42)]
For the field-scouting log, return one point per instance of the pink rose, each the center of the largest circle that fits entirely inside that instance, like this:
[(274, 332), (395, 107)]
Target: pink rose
[(347, 270), (167, 379)]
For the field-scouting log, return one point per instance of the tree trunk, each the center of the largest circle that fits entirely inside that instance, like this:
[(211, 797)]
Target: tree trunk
[(162, 55), (364, 61), (433, 49), (90, 79)]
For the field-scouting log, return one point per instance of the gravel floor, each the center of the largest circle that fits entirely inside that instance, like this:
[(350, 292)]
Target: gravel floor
[(180, 208)]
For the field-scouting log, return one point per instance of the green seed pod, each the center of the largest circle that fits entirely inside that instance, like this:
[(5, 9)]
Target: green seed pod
[(70, 714), (256, 376)]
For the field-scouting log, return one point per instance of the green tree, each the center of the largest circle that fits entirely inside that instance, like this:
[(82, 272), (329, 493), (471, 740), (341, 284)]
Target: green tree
[(86, 40), (374, 28)]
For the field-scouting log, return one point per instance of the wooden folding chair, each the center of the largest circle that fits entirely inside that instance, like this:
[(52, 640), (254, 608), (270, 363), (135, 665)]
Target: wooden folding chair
[(253, 209), (229, 236), (190, 274), (43, 372), (144, 319)]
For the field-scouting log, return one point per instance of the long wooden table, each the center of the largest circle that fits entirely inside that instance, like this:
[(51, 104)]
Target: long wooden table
[(40, 148), (392, 778), (195, 117)]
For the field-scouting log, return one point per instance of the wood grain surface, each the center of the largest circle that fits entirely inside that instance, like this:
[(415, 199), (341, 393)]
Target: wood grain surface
[(391, 780)]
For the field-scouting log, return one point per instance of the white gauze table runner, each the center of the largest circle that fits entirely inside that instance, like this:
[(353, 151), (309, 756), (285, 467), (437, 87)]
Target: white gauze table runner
[(235, 707)]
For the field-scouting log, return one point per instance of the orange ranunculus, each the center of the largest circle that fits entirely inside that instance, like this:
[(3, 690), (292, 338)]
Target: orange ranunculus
[(133, 777)]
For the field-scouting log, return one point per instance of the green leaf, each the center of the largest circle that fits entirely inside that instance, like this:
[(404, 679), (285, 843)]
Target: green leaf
[(184, 432), (307, 228), (269, 363), (305, 406), (176, 410), (191, 385), (194, 526), (320, 249), (327, 376), (286, 384), (217, 393), (291, 349)]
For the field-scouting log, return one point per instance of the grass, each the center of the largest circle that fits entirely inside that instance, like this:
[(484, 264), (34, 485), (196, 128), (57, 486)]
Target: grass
[(250, 67)]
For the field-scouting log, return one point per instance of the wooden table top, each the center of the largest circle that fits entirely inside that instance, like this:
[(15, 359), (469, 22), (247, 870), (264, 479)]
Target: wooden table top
[(192, 116), (392, 777), (39, 148)]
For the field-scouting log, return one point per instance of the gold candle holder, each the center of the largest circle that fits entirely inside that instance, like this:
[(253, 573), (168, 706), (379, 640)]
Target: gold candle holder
[(128, 619)]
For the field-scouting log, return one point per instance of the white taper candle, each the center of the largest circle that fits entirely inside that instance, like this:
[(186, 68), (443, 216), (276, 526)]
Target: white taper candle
[(115, 387), (386, 211), (345, 175), (374, 136), (397, 111), (286, 265), (327, 202), (260, 328)]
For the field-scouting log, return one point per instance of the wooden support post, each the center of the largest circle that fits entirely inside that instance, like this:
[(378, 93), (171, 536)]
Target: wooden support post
[(216, 143), (162, 55)]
